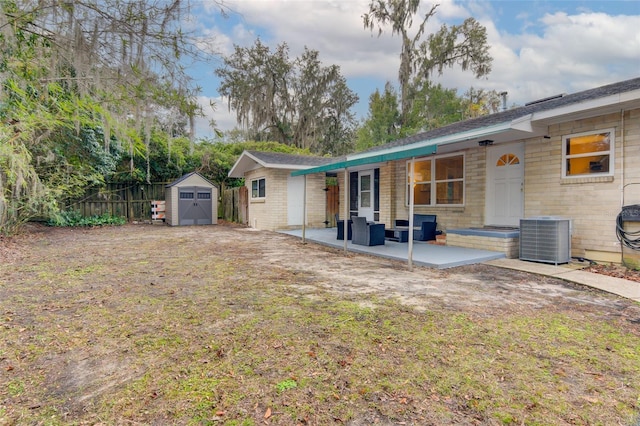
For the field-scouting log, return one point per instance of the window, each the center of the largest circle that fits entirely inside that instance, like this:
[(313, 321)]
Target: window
[(186, 195), (438, 181), (204, 195), (258, 188), (588, 154)]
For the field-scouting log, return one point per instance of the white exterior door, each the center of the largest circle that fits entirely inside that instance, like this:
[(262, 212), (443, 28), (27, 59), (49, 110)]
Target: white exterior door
[(365, 194), (505, 185), (295, 201)]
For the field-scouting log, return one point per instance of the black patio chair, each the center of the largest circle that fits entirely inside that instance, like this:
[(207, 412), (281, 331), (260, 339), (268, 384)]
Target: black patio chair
[(340, 225), (367, 233)]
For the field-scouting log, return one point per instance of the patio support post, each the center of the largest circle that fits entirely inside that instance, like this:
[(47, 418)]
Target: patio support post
[(345, 216), (304, 211), (411, 202)]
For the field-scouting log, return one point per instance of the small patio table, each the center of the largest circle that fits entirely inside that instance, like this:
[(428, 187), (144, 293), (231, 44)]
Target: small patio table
[(400, 234)]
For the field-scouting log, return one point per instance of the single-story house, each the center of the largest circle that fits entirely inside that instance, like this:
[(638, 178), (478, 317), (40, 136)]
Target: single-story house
[(571, 156), (276, 199)]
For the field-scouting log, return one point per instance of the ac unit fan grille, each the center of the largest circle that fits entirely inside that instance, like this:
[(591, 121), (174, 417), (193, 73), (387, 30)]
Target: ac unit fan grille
[(545, 240)]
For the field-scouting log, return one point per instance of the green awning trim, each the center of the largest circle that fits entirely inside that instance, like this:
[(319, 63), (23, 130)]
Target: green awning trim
[(379, 158)]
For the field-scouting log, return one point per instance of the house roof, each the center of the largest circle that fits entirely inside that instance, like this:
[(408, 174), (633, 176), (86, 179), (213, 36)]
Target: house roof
[(250, 160), (526, 121), (187, 176)]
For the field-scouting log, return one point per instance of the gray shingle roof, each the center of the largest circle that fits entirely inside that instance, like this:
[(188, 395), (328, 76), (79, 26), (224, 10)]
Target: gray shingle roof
[(187, 176), (273, 158), (511, 114)]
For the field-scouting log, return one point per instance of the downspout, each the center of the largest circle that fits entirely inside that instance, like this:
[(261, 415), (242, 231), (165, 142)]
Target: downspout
[(621, 177), (622, 157), (345, 223), (304, 211), (411, 202)]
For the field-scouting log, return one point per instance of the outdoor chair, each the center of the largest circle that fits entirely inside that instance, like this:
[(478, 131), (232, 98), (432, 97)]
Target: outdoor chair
[(340, 225), (424, 226), (367, 233)]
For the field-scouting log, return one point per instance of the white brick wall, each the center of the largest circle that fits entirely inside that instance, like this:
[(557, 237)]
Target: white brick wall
[(592, 203), (271, 212)]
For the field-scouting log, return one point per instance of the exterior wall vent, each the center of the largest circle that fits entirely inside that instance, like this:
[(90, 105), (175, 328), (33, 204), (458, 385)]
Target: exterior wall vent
[(545, 239), (550, 98)]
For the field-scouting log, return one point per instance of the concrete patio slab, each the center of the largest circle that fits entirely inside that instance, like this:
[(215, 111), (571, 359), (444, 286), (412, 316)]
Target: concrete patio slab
[(424, 254)]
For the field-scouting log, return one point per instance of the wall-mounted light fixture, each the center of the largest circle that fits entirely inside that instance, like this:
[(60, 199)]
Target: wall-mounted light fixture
[(485, 142)]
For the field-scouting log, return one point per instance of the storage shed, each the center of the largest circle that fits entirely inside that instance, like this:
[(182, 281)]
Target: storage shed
[(191, 200)]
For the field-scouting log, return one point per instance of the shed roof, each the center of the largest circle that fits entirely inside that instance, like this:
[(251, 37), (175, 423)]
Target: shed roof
[(526, 121), (250, 160), (187, 176)]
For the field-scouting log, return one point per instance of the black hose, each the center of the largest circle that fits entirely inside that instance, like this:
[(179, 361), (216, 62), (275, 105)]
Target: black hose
[(627, 238)]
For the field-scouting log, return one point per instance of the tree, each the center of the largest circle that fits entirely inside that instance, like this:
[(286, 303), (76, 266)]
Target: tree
[(382, 124), (464, 45), (74, 71), (433, 106), (478, 102), (297, 102)]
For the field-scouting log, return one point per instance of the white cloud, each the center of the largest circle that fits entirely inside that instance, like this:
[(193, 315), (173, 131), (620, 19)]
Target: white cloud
[(535, 54), (224, 119)]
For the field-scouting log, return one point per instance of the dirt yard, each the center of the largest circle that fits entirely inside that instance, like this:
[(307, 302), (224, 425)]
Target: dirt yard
[(221, 324)]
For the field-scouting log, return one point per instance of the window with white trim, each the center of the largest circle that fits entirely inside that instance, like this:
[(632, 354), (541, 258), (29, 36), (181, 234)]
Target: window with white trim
[(437, 181), (258, 188), (588, 154)]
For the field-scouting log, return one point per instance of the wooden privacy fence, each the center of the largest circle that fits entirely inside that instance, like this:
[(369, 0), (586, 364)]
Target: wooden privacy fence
[(234, 205), (131, 200)]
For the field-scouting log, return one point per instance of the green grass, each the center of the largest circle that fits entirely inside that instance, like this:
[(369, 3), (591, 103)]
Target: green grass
[(206, 339)]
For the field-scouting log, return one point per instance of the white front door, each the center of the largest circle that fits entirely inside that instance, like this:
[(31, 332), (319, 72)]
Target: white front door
[(295, 200), (505, 185), (365, 194)]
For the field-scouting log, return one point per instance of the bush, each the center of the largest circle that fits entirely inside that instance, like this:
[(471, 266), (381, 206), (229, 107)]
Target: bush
[(74, 218)]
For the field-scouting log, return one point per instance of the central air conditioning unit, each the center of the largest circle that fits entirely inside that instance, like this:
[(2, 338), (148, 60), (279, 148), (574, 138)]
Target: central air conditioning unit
[(545, 239)]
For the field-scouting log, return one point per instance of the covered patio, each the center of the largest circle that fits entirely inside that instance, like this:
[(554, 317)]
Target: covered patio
[(424, 254)]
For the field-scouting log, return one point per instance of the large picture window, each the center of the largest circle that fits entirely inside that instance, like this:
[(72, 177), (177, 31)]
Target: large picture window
[(588, 154), (438, 181), (258, 188)]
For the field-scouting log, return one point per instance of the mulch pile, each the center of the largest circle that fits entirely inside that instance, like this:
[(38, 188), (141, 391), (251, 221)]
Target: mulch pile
[(617, 271)]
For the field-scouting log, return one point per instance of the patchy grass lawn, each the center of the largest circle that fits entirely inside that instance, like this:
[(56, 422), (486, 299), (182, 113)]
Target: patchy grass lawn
[(218, 325)]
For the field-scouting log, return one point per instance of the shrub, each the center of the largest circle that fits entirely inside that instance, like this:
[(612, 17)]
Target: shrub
[(74, 218)]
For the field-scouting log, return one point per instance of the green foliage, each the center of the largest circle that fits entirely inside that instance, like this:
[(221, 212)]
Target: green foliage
[(296, 102), (421, 55), (81, 84), (73, 218), (433, 106), (286, 385), (383, 122)]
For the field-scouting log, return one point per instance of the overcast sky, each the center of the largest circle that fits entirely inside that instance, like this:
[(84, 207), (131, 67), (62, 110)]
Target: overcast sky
[(539, 48)]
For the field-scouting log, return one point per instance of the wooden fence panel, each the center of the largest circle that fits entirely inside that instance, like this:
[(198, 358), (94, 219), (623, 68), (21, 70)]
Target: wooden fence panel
[(230, 202), (243, 205), (131, 200)]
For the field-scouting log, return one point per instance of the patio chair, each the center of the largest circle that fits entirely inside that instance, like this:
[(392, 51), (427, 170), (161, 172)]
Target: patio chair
[(367, 233), (340, 225), (424, 226)]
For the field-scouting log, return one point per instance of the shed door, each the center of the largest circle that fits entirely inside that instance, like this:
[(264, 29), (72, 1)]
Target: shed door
[(194, 206)]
